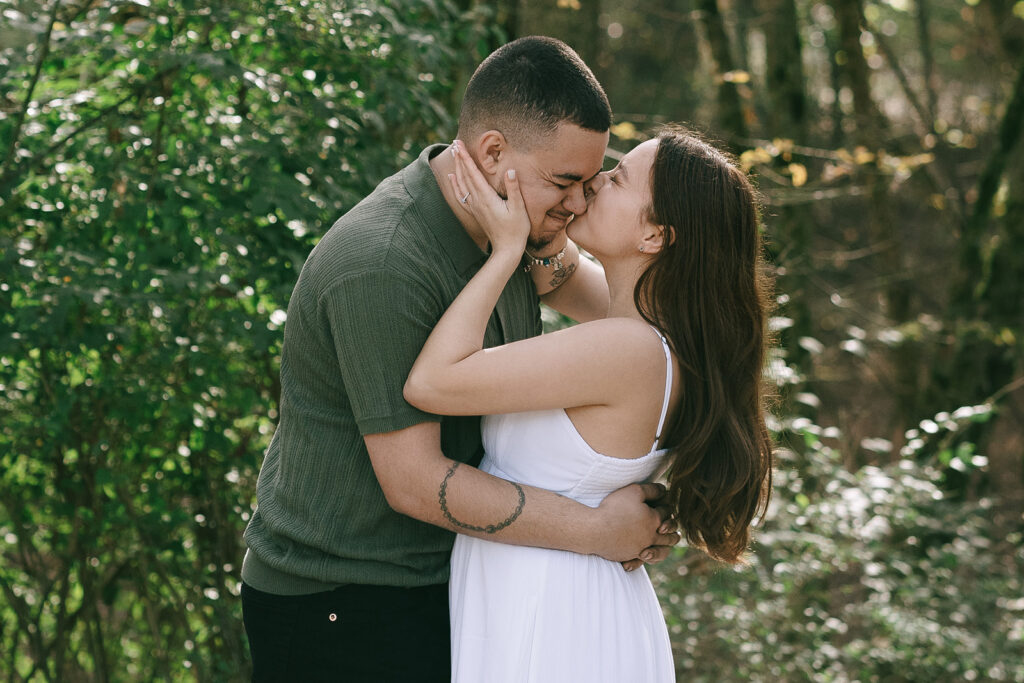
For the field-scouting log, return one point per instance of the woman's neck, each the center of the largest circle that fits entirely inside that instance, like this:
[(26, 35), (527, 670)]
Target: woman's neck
[(622, 277)]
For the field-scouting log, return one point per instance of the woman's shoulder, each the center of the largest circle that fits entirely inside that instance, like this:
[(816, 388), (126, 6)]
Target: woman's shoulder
[(629, 339), (628, 330)]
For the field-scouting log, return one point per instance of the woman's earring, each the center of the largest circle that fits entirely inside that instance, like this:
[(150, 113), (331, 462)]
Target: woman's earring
[(641, 248)]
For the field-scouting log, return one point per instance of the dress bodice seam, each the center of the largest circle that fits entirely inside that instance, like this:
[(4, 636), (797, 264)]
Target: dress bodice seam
[(579, 437)]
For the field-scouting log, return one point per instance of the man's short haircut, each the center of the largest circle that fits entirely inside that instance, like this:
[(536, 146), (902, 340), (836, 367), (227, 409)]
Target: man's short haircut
[(527, 87)]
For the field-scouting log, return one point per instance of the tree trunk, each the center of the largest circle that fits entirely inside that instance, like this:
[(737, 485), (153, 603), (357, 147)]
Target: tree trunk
[(855, 71), (730, 120), (973, 284), (787, 118), (881, 230), (590, 43), (987, 305), (784, 70)]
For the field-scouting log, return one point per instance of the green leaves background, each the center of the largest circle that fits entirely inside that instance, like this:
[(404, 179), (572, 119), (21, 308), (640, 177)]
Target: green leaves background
[(167, 167)]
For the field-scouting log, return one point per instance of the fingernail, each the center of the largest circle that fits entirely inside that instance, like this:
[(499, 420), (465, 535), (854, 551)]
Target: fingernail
[(663, 529), (511, 174), (646, 556)]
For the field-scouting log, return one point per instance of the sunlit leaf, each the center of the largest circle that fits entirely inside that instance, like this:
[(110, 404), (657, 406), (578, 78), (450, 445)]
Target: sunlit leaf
[(751, 157), (862, 155), (798, 173), (854, 346), (624, 131), (736, 76), (811, 345), (876, 445)]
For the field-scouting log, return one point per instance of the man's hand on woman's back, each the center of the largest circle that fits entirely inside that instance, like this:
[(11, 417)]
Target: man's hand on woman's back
[(631, 529)]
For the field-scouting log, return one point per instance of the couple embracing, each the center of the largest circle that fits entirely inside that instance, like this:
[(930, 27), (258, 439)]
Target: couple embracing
[(418, 312)]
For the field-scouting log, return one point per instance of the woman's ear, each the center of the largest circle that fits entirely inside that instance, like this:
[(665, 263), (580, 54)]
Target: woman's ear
[(655, 237), (490, 151)]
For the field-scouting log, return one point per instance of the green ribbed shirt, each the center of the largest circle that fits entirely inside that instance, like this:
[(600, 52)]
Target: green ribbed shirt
[(365, 302)]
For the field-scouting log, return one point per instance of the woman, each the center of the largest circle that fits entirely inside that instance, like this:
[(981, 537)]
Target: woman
[(670, 381)]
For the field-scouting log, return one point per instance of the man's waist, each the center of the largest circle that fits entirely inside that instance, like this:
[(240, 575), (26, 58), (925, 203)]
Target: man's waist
[(263, 577)]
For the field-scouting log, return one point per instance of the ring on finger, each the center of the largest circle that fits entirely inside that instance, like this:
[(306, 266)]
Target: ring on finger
[(465, 199)]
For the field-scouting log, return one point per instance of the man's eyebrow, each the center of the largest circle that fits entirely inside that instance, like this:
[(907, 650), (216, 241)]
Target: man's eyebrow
[(575, 177)]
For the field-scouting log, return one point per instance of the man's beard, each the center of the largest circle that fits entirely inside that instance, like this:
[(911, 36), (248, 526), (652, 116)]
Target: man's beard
[(537, 245)]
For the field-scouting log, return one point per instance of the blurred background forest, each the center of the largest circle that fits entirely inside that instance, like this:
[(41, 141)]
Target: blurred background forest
[(166, 165)]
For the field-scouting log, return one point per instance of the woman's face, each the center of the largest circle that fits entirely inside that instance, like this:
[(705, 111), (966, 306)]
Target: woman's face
[(615, 221)]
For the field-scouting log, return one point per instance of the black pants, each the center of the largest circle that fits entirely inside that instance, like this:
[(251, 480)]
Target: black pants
[(352, 633)]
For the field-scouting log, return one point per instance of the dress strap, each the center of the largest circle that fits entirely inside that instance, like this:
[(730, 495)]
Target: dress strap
[(668, 388)]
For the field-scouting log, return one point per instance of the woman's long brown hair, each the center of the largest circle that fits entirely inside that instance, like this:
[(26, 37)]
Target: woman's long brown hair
[(708, 291)]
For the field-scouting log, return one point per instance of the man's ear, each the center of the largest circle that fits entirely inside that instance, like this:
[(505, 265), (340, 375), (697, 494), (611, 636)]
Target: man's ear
[(490, 150)]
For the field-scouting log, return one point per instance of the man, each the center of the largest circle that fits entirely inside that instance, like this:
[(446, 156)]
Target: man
[(359, 494)]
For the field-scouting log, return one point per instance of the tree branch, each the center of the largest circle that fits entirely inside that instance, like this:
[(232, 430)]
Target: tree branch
[(926, 115), (7, 177), (927, 54), (33, 82)]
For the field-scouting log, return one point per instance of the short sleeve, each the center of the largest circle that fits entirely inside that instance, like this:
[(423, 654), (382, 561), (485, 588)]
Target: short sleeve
[(379, 321)]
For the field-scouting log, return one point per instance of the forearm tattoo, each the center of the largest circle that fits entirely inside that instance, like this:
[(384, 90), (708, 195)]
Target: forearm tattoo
[(561, 275), (442, 498)]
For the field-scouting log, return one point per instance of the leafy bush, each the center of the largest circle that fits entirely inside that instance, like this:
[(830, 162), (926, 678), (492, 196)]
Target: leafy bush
[(873, 575), (166, 167)]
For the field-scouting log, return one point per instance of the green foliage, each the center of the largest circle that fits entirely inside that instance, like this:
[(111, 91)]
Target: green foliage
[(165, 173), (873, 575)]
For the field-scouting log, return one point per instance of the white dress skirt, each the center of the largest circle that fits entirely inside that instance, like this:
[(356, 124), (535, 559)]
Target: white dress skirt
[(532, 614)]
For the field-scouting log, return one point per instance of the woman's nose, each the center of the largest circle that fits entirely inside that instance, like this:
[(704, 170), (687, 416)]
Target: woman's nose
[(596, 184)]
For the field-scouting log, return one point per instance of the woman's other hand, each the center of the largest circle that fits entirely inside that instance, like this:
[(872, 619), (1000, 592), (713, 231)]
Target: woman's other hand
[(504, 221)]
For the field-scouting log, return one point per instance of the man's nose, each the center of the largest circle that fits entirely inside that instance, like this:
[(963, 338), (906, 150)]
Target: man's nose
[(575, 201)]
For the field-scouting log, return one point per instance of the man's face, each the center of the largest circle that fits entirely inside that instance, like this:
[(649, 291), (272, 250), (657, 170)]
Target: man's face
[(551, 177)]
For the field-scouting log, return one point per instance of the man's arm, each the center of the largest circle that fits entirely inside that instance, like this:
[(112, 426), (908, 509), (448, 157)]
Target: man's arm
[(572, 285), (419, 481), (408, 461)]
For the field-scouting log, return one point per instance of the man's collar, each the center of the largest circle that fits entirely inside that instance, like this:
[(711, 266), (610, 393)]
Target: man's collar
[(464, 253)]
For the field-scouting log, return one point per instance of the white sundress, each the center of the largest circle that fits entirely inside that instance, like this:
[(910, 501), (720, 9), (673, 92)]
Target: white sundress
[(533, 614)]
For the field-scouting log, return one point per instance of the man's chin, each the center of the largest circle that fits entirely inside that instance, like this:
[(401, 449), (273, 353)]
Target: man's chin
[(537, 245), (550, 230)]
